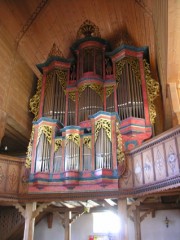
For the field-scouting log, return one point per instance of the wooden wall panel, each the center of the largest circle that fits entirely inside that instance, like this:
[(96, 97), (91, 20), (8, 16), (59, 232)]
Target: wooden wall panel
[(171, 157), (138, 170), (159, 160), (148, 166)]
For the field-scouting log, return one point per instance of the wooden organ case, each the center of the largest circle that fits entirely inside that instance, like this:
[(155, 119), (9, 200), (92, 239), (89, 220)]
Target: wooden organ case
[(88, 111)]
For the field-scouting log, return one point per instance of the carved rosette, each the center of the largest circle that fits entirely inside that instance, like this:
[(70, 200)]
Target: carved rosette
[(103, 123), (47, 130), (29, 150), (88, 28), (73, 137), (133, 62), (35, 100), (58, 144), (87, 141), (152, 90)]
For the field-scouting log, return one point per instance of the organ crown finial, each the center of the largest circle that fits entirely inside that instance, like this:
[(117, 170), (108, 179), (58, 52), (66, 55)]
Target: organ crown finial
[(88, 29)]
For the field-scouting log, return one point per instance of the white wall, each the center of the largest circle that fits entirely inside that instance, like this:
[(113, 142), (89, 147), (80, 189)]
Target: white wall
[(151, 228)]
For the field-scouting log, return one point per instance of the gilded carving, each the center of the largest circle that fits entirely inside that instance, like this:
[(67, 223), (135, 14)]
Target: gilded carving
[(47, 130), (61, 75), (73, 137), (72, 96), (35, 100), (133, 62), (58, 144), (95, 87), (87, 141), (109, 91), (152, 90), (120, 153), (29, 150), (103, 123), (88, 28)]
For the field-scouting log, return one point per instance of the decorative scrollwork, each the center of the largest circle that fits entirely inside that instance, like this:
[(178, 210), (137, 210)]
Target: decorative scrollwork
[(58, 144), (73, 137), (47, 130), (103, 123), (35, 100), (88, 28), (61, 75), (55, 51), (120, 154), (134, 64), (109, 91), (95, 87), (72, 96), (87, 141), (152, 90), (29, 150)]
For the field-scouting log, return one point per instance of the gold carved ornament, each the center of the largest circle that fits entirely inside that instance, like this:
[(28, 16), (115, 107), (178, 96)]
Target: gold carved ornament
[(109, 91), (106, 125), (120, 153), (133, 62), (29, 150), (152, 91), (95, 87), (58, 144), (35, 100), (88, 28), (72, 96), (87, 141), (47, 130), (61, 75), (73, 137)]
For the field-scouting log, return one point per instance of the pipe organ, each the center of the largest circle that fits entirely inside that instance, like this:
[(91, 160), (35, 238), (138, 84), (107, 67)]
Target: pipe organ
[(88, 111)]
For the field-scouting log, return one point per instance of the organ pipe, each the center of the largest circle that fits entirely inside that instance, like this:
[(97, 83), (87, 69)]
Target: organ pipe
[(43, 154), (103, 151)]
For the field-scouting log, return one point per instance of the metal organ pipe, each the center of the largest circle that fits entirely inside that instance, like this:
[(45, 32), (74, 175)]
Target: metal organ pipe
[(72, 156), (43, 154), (129, 95), (57, 160), (54, 104), (103, 150)]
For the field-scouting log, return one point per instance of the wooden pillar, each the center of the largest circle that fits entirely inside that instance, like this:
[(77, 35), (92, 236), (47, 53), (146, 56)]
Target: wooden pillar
[(175, 103), (137, 224), (67, 225), (122, 212), (2, 124), (29, 221)]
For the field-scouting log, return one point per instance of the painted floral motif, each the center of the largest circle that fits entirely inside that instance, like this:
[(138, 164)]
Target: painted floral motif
[(138, 171), (159, 162), (147, 167), (172, 159)]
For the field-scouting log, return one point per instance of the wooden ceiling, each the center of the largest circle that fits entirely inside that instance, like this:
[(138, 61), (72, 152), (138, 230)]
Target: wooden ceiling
[(28, 30), (35, 25)]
